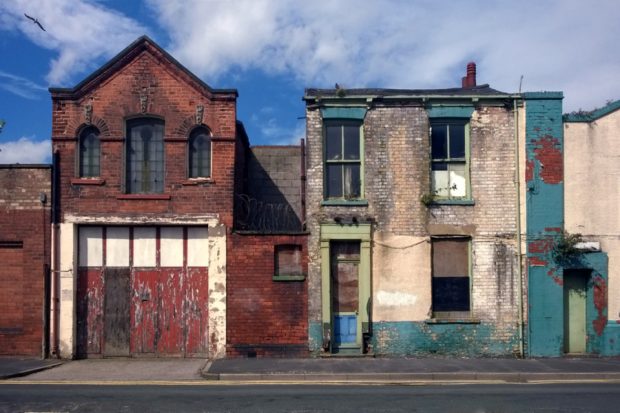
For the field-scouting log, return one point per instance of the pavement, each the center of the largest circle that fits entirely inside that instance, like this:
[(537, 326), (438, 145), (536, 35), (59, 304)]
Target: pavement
[(310, 370)]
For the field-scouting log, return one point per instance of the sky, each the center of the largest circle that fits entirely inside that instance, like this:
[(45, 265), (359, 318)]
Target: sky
[(271, 50)]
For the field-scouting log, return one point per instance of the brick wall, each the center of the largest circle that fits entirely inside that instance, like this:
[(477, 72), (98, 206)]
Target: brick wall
[(24, 255), (145, 83), (264, 317)]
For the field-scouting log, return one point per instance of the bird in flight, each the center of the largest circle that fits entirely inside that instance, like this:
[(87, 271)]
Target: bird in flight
[(36, 21)]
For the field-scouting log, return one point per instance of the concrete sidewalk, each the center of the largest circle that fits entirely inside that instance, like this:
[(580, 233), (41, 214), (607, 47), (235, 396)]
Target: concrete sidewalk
[(414, 369), (23, 366), (310, 370)]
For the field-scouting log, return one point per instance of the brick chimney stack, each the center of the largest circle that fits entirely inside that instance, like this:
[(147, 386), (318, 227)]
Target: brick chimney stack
[(470, 80)]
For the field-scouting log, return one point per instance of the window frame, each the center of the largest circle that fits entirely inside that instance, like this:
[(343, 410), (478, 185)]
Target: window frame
[(359, 161), (449, 160), (195, 132), (284, 275), (453, 314), (153, 120), (84, 133)]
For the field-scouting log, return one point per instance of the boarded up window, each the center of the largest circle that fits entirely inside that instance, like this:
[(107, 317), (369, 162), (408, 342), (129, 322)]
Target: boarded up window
[(345, 259), (451, 274), (91, 247), (171, 253), (144, 247), (288, 260), (117, 247)]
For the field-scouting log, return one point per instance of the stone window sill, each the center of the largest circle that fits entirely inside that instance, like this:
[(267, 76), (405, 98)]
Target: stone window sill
[(87, 181), (145, 197), (344, 202), (452, 321), (284, 277), (453, 202), (197, 181)]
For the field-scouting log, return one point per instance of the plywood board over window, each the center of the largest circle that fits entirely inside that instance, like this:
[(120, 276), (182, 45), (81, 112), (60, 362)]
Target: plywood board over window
[(451, 280)]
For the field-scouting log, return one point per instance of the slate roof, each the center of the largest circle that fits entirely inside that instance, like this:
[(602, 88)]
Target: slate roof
[(481, 90)]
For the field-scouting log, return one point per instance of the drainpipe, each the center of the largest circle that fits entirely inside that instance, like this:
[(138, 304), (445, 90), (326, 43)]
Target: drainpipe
[(55, 270), (519, 252), (303, 184)]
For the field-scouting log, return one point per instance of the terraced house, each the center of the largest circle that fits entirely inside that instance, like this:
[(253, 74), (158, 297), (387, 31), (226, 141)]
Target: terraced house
[(413, 210)]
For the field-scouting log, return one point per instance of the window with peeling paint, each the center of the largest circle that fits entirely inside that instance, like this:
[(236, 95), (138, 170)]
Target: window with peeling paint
[(145, 156), (89, 156), (343, 160), (451, 277), (450, 159)]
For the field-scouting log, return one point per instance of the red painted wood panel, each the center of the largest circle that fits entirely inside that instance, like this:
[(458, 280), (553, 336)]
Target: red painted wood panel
[(197, 314), (90, 298), (144, 314)]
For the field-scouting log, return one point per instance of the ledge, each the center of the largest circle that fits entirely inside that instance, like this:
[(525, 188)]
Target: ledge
[(344, 202), (87, 181), (144, 197), (453, 202), (198, 181), (452, 321), (298, 277)]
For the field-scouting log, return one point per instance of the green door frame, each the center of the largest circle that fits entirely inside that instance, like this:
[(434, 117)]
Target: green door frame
[(346, 232)]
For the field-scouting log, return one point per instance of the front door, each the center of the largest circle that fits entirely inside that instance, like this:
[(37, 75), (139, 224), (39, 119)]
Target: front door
[(344, 275), (575, 311), (116, 312)]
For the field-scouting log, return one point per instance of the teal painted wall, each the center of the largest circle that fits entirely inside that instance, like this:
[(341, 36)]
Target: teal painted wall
[(315, 337), (544, 140), (424, 339)]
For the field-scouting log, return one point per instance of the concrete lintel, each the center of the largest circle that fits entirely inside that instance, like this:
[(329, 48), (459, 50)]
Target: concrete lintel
[(446, 229), (153, 219)]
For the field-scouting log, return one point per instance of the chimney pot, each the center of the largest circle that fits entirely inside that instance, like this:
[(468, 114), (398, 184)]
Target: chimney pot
[(470, 79)]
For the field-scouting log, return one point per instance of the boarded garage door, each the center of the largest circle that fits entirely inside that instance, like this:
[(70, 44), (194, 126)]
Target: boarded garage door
[(143, 290)]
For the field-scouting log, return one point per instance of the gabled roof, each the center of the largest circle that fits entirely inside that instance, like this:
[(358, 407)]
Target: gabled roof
[(122, 59), (592, 115), (476, 91)]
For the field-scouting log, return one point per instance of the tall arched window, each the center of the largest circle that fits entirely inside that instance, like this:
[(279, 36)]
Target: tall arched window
[(90, 153), (145, 156), (199, 153)]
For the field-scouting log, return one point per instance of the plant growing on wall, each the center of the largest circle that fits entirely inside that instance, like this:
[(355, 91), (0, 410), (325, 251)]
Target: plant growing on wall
[(428, 198), (565, 247)]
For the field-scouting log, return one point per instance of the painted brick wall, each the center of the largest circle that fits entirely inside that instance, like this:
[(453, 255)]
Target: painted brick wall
[(397, 174), (264, 317), (170, 94), (24, 254)]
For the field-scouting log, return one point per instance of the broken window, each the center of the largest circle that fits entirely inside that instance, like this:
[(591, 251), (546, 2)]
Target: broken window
[(145, 156), (89, 153), (343, 160), (450, 163), (199, 153), (288, 263), (451, 280)]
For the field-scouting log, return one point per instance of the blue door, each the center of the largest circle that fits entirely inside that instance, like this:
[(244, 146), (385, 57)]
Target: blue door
[(345, 259)]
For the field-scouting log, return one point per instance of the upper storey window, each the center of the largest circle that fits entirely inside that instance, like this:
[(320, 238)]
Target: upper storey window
[(90, 151), (450, 159), (343, 160), (199, 153), (145, 156)]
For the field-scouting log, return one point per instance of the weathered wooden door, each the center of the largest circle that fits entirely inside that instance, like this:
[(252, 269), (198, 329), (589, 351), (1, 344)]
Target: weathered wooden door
[(116, 312), (575, 311), (345, 260)]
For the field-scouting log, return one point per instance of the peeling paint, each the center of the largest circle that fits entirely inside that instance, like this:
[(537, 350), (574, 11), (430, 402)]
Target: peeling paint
[(541, 246), (600, 303), (537, 262), (548, 152)]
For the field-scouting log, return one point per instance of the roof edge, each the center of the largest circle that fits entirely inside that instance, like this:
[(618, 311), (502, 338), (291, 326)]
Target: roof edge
[(590, 116)]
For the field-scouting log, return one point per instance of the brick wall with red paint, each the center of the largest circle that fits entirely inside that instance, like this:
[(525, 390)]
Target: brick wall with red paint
[(264, 317), (116, 93), (24, 257)]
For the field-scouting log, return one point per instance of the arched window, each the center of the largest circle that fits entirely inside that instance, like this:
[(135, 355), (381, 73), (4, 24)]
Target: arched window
[(199, 153), (145, 156), (90, 153)]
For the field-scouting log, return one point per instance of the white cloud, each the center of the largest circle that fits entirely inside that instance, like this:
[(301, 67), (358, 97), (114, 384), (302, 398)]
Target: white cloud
[(80, 31), (21, 86), (557, 45), (25, 150)]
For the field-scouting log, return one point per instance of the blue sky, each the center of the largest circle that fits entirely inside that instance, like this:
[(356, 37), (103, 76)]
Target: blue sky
[(270, 50)]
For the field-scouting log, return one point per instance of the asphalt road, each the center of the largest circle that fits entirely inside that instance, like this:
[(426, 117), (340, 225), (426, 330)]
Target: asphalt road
[(502, 398)]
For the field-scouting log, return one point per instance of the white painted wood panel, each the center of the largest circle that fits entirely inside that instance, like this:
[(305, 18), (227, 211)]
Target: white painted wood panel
[(171, 247), (91, 247), (117, 247), (144, 247), (197, 247)]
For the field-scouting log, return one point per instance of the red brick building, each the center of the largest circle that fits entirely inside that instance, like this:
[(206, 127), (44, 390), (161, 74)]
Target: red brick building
[(25, 204), (149, 159)]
